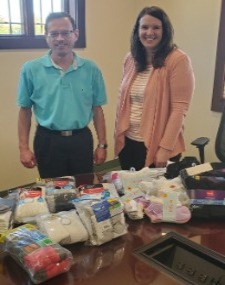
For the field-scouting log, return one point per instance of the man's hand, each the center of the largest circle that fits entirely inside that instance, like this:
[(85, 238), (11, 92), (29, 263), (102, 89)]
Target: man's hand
[(100, 155), (27, 158)]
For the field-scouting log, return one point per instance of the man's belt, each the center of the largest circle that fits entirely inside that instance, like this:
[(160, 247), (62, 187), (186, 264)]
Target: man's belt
[(64, 133)]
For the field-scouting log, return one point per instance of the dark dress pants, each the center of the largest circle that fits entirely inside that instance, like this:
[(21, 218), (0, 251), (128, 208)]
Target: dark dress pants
[(59, 155)]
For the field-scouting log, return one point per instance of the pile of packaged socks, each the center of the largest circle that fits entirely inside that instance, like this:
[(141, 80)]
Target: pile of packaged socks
[(36, 253)]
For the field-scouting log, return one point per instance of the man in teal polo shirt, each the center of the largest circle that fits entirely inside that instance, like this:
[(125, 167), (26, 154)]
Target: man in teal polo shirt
[(65, 92)]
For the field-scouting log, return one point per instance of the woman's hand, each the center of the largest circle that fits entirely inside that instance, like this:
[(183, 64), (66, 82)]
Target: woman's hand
[(161, 158)]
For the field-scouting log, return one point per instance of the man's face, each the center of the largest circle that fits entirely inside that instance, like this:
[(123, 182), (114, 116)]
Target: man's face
[(60, 36)]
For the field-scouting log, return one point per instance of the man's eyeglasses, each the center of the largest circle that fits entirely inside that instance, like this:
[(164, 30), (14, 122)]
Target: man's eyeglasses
[(64, 34)]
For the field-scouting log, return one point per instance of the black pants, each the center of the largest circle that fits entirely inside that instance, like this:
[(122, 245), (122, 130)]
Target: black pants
[(134, 154), (59, 155)]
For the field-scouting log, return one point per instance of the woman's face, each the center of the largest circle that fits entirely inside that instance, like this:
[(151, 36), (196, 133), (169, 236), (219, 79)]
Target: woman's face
[(150, 32)]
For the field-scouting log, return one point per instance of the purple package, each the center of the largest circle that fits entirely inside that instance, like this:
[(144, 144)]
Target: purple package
[(206, 196)]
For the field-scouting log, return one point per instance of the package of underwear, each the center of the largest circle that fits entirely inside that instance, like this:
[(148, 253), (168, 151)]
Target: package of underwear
[(59, 192), (90, 189), (31, 202), (205, 186), (36, 253), (63, 182), (31, 192)]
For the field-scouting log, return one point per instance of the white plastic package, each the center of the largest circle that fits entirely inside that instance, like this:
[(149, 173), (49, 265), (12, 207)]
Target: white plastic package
[(103, 219), (63, 227)]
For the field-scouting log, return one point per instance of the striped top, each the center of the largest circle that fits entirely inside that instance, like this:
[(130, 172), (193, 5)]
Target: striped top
[(136, 104)]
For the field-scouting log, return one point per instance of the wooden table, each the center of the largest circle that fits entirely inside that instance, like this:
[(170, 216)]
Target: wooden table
[(114, 263)]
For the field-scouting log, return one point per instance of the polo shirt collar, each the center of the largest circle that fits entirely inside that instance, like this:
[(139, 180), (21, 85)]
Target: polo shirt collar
[(47, 61)]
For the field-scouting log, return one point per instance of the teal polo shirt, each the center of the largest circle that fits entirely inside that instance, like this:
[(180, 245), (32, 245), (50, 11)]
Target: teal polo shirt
[(61, 100)]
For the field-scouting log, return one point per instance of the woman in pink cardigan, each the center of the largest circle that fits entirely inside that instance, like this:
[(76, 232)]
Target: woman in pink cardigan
[(154, 97)]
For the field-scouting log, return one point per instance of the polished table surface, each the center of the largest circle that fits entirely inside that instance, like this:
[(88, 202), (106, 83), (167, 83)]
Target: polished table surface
[(114, 262)]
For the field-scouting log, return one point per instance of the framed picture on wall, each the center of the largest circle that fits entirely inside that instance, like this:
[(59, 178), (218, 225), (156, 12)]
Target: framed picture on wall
[(218, 98)]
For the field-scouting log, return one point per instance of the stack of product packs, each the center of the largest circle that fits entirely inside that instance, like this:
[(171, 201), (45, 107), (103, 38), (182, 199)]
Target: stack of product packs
[(124, 180), (44, 197), (90, 213), (38, 255), (148, 192), (205, 184), (101, 211), (55, 213)]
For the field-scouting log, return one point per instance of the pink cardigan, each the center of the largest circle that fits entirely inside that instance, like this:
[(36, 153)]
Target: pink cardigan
[(167, 98)]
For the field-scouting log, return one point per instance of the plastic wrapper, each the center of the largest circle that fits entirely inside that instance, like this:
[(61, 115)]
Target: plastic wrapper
[(63, 227), (112, 189), (103, 219), (30, 202), (7, 206), (101, 190), (31, 192), (162, 200), (166, 209), (59, 193), (35, 253), (125, 180), (133, 209), (158, 187)]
